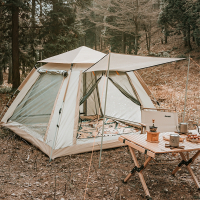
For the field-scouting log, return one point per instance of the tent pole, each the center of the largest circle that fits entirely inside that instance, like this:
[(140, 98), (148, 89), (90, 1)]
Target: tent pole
[(186, 88), (104, 109)]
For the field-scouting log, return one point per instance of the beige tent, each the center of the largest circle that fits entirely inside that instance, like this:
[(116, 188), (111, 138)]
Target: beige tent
[(52, 98)]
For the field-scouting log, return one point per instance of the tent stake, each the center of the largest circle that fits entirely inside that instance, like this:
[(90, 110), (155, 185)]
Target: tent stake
[(104, 109), (186, 88)]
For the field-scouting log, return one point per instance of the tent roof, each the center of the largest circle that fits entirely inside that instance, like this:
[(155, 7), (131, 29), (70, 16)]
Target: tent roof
[(123, 62), (80, 55)]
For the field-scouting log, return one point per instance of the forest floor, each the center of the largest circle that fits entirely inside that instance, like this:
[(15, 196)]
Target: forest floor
[(26, 173)]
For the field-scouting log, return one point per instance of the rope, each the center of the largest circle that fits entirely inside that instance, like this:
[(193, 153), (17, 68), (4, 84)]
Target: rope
[(94, 139)]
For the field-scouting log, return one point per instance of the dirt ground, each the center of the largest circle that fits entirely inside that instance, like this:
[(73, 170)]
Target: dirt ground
[(26, 173)]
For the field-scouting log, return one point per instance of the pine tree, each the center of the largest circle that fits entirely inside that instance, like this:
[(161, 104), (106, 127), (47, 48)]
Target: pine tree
[(183, 17), (60, 32)]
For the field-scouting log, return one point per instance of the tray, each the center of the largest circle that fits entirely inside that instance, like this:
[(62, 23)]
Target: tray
[(192, 140)]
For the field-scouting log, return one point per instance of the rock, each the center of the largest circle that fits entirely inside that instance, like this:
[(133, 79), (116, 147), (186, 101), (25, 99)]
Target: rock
[(166, 190)]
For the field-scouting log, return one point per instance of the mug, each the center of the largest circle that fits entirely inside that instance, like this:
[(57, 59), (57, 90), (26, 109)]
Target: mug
[(174, 140)]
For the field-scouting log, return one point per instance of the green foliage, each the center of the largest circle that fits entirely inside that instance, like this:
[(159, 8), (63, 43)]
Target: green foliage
[(182, 16), (181, 56), (46, 27), (6, 90), (116, 41), (26, 59), (59, 33)]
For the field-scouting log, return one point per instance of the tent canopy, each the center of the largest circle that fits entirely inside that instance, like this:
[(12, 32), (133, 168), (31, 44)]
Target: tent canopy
[(80, 55), (123, 62)]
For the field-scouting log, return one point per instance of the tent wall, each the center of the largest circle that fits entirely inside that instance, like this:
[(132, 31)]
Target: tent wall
[(144, 98), (142, 83), (51, 130), (82, 148), (76, 117), (122, 79), (91, 104), (92, 101), (118, 105), (20, 96), (37, 105), (39, 144), (66, 128)]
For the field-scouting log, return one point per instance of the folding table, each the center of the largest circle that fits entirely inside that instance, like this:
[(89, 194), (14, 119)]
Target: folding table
[(138, 142)]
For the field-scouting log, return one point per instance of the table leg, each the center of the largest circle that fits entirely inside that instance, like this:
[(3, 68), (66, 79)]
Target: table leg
[(192, 160), (190, 170), (187, 163), (139, 169)]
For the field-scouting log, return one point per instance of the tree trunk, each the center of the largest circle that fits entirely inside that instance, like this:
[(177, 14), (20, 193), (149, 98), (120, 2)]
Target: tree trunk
[(136, 38), (95, 41), (85, 40), (188, 37), (136, 29), (166, 33), (33, 13), (10, 66), (1, 75), (149, 37), (1, 35), (185, 38), (123, 43), (15, 47), (40, 8), (147, 43), (100, 43), (33, 25)]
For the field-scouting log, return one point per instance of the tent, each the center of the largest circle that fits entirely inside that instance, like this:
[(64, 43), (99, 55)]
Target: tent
[(52, 99)]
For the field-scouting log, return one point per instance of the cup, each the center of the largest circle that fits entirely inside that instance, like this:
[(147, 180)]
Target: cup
[(183, 127), (174, 140)]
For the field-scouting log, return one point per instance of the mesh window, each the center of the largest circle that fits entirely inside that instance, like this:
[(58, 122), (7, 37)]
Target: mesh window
[(35, 109)]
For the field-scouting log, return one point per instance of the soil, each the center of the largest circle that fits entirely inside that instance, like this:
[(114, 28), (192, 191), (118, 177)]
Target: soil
[(26, 173)]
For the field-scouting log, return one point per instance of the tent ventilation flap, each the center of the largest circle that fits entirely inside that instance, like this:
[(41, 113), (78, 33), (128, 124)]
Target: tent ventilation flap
[(55, 72)]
